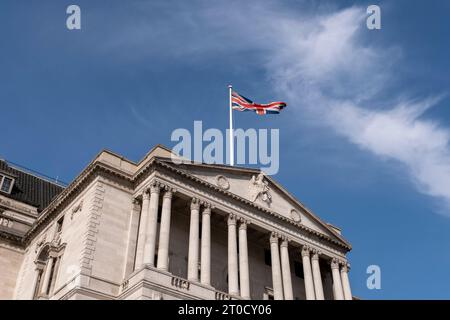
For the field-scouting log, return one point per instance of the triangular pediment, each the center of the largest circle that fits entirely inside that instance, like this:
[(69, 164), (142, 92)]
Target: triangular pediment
[(262, 190)]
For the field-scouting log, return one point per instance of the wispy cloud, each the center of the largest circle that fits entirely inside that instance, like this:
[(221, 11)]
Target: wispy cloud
[(319, 60), (342, 81)]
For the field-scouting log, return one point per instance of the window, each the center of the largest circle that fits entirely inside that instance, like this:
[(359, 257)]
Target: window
[(47, 265), (59, 224), (39, 270), (298, 269), (267, 257), (6, 184)]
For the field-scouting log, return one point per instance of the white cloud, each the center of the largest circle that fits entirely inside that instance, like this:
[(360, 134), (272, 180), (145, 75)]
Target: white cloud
[(341, 81), (321, 62)]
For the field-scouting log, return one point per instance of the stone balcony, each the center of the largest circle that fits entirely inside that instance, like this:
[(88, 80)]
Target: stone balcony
[(151, 283)]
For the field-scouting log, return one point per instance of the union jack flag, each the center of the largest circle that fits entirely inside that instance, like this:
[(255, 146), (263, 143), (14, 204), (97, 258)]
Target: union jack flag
[(242, 103)]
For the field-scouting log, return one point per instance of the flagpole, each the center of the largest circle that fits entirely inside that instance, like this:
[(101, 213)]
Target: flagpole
[(230, 89)]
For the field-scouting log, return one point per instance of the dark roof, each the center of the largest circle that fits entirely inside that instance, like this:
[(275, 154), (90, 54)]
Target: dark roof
[(29, 188)]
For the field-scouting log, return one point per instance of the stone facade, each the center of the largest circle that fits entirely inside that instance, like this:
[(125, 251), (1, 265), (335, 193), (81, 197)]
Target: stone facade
[(161, 230)]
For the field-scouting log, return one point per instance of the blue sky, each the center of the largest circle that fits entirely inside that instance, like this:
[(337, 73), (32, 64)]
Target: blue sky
[(363, 142)]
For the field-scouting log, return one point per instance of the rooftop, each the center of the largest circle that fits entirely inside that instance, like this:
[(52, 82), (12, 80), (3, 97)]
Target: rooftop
[(30, 187)]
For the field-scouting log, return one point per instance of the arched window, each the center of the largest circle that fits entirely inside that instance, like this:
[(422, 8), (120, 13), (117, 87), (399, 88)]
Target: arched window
[(47, 264)]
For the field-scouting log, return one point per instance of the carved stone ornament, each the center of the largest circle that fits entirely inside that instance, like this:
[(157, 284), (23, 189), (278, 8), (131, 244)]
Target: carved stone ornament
[(295, 215), (222, 182), (77, 208), (56, 239), (259, 188), (40, 242)]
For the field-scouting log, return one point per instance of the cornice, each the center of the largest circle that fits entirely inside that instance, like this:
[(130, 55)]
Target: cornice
[(252, 204), (87, 175), (100, 168)]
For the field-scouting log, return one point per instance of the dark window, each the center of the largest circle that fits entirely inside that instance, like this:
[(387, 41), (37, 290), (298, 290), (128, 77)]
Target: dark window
[(267, 257), (52, 277), (59, 224), (6, 185), (298, 269), (38, 281)]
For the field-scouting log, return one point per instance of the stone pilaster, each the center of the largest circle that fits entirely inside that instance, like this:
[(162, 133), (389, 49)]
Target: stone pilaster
[(143, 216)]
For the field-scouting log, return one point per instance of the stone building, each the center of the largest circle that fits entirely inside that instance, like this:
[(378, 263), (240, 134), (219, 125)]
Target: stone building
[(158, 229)]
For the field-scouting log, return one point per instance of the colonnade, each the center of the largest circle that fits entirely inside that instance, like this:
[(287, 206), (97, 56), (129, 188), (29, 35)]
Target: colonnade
[(199, 252)]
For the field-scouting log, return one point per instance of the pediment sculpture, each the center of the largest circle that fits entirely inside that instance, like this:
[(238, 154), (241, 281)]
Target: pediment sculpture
[(259, 188)]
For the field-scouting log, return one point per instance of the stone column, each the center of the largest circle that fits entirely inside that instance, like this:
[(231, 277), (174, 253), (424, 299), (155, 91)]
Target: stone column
[(233, 282), (131, 253), (276, 268), (152, 224), (309, 284), (164, 231), (46, 277), (337, 285), (346, 282), (317, 277), (286, 270), (194, 241), (142, 229), (243, 260), (205, 258)]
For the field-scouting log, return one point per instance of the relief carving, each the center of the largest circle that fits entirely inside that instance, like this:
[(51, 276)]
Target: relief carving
[(40, 242), (77, 208), (222, 182), (295, 215), (259, 188)]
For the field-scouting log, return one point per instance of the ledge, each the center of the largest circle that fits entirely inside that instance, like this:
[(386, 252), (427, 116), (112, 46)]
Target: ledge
[(167, 284)]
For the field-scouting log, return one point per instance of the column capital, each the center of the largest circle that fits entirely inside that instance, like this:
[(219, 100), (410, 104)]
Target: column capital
[(316, 254), (243, 223), (168, 192), (155, 187), (207, 204), (305, 251), (146, 193), (135, 201), (206, 210), (232, 219), (345, 267), (274, 236), (284, 242), (195, 204), (335, 263)]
